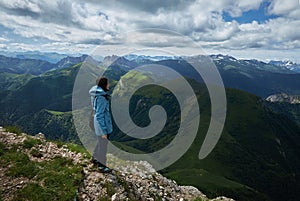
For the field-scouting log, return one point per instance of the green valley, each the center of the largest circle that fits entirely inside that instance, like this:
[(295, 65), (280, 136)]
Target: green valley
[(257, 157)]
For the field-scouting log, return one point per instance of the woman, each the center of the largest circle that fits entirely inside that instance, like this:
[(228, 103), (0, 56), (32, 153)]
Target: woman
[(102, 122)]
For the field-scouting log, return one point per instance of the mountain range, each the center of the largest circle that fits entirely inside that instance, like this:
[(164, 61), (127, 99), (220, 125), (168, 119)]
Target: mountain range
[(257, 157), (286, 64), (35, 66), (51, 57), (272, 66)]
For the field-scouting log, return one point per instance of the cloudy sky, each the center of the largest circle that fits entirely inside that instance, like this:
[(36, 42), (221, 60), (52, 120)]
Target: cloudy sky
[(262, 29)]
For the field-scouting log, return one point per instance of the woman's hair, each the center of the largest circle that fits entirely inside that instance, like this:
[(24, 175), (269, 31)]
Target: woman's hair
[(102, 82)]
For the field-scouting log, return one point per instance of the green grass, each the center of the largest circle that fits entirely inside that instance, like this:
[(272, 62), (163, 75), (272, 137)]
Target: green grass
[(60, 178), (105, 198), (29, 170), (110, 189), (31, 142), (2, 148), (36, 153), (34, 192), (20, 165), (58, 143), (74, 148), (13, 129), (78, 149)]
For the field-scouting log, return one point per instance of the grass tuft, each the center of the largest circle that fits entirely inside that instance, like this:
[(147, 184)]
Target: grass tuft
[(13, 129), (78, 149), (2, 148), (31, 142), (36, 153), (34, 192), (110, 190)]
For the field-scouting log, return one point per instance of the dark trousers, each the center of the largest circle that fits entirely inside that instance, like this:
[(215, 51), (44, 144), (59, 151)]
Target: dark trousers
[(100, 150)]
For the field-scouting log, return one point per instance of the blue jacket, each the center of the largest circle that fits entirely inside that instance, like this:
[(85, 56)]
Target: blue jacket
[(102, 118)]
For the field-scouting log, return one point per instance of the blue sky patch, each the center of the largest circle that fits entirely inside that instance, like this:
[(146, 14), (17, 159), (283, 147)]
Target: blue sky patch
[(260, 15)]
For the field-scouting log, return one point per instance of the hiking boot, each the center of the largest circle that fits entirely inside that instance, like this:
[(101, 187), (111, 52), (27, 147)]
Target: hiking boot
[(104, 169)]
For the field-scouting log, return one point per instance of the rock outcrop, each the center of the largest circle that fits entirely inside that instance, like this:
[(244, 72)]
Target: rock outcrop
[(283, 97), (129, 180)]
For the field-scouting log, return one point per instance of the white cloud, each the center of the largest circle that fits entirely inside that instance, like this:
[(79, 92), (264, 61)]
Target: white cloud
[(236, 8), (3, 46), (285, 30), (21, 4), (81, 25), (286, 7), (2, 39)]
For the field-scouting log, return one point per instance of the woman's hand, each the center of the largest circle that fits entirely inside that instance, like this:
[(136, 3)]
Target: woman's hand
[(104, 136)]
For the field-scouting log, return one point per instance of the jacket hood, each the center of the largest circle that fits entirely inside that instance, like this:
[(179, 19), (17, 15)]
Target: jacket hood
[(97, 91)]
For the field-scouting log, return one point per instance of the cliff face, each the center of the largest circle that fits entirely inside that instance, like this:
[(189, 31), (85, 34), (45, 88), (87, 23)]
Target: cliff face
[(32, 168)]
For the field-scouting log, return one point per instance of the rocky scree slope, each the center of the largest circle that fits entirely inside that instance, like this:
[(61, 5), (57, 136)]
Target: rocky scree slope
[(32, 168)]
